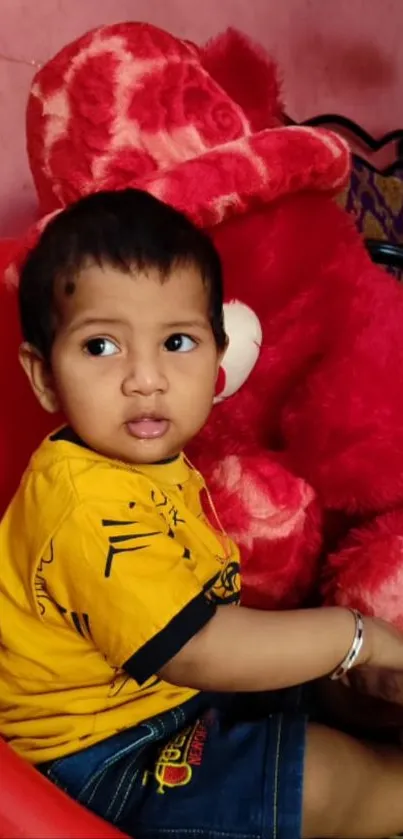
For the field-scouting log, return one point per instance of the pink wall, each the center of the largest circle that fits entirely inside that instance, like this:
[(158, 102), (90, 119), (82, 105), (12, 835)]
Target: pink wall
[(342, 55)]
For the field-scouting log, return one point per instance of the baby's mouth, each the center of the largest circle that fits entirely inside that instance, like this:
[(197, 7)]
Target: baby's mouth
[(147, 427)]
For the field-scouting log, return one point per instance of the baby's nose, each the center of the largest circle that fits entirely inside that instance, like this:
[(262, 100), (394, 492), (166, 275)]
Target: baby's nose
[(145, 376)]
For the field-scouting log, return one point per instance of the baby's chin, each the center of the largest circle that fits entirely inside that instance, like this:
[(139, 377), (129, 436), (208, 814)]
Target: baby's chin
[(136, 451)]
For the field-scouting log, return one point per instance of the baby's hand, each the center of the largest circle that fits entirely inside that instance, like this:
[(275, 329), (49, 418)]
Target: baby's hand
[(347, 703), (383, 650), (379, 683)]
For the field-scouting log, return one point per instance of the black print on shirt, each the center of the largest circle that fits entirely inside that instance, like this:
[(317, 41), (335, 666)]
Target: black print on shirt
[(171, 515), (81, 624), (175, 517), (126, 539), (41, 591), (225, 586), (159, 498), (80, 621)]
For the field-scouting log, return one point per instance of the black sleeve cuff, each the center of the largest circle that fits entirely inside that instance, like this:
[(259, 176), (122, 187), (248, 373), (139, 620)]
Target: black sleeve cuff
[(149, 659)]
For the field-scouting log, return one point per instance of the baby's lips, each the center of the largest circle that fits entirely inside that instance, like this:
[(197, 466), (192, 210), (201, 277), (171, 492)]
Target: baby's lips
[(148, 428)]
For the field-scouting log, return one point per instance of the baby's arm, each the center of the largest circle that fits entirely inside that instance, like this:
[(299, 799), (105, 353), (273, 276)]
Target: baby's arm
[(148, 613), (242, 649)]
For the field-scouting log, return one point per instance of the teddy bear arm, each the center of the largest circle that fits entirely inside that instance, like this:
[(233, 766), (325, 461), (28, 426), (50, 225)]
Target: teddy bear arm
[(342, 423)]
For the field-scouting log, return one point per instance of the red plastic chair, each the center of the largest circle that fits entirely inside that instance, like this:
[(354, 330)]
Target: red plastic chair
[(33, 808)]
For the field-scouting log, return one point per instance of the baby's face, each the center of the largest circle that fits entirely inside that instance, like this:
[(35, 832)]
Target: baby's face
[(134, 363)]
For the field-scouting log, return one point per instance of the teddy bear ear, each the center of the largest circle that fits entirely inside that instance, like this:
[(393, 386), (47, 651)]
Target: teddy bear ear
[(244, 334), (245, 71)]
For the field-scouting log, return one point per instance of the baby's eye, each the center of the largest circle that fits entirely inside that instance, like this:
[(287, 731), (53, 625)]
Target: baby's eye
[(100, 347), (180, 343)]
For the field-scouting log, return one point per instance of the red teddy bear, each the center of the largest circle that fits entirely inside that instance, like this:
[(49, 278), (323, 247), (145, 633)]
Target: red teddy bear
[(304, 448)]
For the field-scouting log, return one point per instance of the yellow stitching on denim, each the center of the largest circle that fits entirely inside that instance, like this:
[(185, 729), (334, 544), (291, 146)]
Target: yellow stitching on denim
[(276, 774)]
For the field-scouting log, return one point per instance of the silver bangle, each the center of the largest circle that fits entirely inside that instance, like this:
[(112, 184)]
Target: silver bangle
[(355, 649)]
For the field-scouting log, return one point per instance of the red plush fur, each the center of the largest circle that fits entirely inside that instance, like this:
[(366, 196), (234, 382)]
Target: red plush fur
[(326, 395), (247, 74)]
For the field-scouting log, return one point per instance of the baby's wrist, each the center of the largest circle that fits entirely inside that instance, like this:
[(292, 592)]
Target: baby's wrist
[(358, 652)]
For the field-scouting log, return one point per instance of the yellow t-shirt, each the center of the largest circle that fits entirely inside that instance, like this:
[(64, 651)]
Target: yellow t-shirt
[(106, 571)]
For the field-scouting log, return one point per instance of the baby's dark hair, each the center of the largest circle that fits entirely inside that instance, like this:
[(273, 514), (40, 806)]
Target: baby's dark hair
[(125, 229)]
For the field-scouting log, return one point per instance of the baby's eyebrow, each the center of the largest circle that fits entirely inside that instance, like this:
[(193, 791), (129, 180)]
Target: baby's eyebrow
[(197, 323), (93, 322), (99, 323)]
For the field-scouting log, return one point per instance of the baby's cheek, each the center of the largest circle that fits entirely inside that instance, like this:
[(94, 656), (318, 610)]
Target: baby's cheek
[(196, 404)]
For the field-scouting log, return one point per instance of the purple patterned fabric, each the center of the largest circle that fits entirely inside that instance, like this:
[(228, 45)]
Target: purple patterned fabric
[(376, 202)]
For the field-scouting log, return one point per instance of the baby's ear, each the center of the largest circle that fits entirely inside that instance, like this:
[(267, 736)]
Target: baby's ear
[(40, 377)]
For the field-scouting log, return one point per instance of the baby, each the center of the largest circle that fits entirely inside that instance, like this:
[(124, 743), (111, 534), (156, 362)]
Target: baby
[(128, 673)]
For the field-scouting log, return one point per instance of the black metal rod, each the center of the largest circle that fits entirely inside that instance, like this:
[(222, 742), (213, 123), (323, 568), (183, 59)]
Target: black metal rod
[(385, 253), (362, 136)]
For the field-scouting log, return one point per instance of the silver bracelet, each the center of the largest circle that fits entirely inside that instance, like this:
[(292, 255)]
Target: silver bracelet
[(355, 649)]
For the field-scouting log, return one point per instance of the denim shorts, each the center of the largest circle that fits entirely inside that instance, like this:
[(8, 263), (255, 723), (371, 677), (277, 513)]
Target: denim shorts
[(229, 766)]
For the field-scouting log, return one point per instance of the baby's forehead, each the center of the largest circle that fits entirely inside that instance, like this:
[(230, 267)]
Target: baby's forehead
[(187, 272), (132, 294)]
